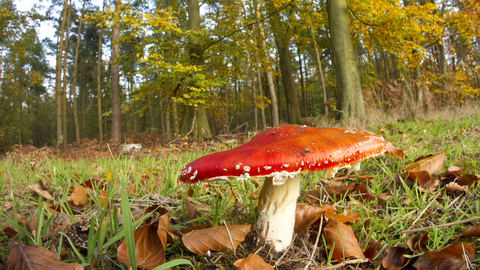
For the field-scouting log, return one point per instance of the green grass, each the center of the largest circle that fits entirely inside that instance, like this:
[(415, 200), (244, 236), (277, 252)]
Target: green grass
[(451, 133)]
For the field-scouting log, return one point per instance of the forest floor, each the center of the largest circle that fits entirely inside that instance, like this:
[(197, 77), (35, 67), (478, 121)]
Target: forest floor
[(67, 208)]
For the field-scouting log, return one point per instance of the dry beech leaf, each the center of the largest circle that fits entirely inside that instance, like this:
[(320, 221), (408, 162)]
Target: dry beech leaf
[(338, 193), (192, 212), (473, 231), (37, 188), (79, 195), (395, 259), (371, 251), (430, 164), (38, 258), (468, 180), (6, 230), (252, 262), (392, 150), (456, 189), (150, 241), (306, 215), (417, 243), (214, 239), (344, 239), (450, 257)]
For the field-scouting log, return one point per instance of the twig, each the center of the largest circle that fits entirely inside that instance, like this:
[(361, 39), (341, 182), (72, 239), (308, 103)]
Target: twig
[(316, 244), (238, 127), (440, 226), (424, 210), (193, 124), (342, 264), (231, 240)]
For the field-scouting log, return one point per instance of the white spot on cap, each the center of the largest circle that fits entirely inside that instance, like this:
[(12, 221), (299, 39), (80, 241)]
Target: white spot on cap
[(225, 169), (267, 168), (194, 175), (189, 169), (246, 168), (286, 165)]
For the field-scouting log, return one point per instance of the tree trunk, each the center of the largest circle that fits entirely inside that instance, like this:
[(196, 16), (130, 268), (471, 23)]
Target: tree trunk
[(267, 66), (349, 89), (176, 129), (320, 75), (201, 128), (58, 76), (64, 91), (99, 82), (74, 83), (302, 87), (115, 75), (282, 40), (254, 95)]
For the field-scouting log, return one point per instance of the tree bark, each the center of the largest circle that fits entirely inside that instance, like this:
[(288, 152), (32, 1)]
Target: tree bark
[(115, 76), (64, 91), (269, 76), (349, 89), (99, 83), (282, 40), (74, 83), (58, 76), (201, 128)]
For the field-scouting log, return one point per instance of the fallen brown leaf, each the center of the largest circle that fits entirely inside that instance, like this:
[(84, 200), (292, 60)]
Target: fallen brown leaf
[(306, 215), (450, 257), (252, 262), (79, 195), (6, 230), (37, 188), (150, 241), (417, 243), (395, 259), (38, 258), (473, 231), (392, 150), (342, 239), (215, 239), (430, 164)]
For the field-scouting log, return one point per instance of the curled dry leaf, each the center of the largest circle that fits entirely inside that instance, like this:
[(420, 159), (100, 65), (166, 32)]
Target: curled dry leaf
[(456, 189), (450, 257), (417, 243), (342, 238), (252, 262), (150, 241), (306, 215), (395, 259), (473, 231), (392, 150), (215, 239), (37, 188), (430, 164), (38, 258), (6, 230), (468, 180)]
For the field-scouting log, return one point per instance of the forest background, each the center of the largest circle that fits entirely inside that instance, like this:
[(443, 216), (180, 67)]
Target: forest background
[(205, 68)]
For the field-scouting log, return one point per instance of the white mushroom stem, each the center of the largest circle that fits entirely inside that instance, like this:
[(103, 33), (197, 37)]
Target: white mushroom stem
[(276, 207)]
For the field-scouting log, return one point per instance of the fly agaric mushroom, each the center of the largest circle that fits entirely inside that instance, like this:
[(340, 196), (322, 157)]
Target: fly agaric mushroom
[(280, 154)]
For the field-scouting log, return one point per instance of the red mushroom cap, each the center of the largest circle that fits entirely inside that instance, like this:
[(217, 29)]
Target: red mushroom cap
[(286, 149)]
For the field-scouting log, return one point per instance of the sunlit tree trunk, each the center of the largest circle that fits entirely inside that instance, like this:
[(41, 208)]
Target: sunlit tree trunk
[(349, 89), (64, 90), (74, 83), (58, 76), (115, 76), (201, 128), (320, 76), (282, 40), (99, 83), (269, 76)]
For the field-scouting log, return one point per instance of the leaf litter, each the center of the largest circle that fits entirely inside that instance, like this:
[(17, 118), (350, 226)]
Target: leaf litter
[(154, 239)]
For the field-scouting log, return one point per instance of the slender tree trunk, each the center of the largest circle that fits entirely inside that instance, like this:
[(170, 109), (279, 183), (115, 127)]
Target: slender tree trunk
[(254, 95), (65, 84), (302, 86), (282, 40), (74, 83), (99, 82), (176, 129), (58, 76), (168, 129), (150, 107), (115, 75), (320, 76), (349, 89), (267, 66)]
